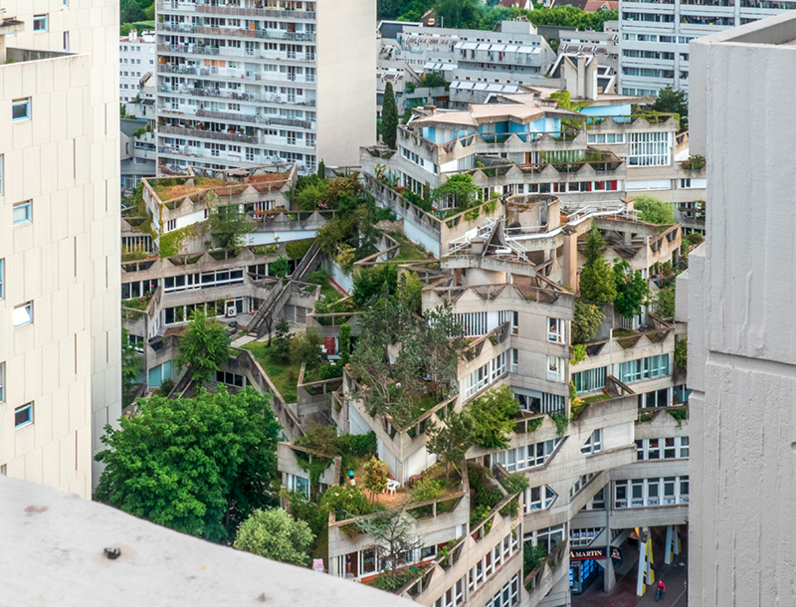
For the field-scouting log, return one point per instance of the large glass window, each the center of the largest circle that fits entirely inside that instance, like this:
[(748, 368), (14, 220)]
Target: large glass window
[(590, 380), (664, 491), (20, 109), (649, 149), (644, 368)]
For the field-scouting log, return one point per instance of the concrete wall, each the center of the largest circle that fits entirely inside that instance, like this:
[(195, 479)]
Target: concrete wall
[(346, 76), (66, 159), (742, 360)]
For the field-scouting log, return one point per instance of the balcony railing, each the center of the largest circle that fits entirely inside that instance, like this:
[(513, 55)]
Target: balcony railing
[(208, 9), (202, 134)]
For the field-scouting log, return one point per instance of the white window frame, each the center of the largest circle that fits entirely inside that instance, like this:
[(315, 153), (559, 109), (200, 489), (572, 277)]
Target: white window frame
[(555, 330), (555, 368), (26, 407), (594, 444), (2, 277), (544, 499), (23, 314), (2, 382), (21, 102)]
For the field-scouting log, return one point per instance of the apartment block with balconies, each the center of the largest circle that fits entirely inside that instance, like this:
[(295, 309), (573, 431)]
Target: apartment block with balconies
[(249, 83)]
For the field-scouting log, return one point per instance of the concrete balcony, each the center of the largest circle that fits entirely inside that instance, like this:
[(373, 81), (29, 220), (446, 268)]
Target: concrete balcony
[(208, 135)]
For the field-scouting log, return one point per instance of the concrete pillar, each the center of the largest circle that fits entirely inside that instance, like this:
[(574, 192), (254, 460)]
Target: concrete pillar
[(570, 261), (646, 575), (672, 543), (609, 577)]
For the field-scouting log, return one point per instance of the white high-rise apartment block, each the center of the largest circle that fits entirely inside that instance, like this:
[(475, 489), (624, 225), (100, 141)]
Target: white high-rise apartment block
[(654, 36), (741, 359), (60, 325), (249, 82), (136, 58)]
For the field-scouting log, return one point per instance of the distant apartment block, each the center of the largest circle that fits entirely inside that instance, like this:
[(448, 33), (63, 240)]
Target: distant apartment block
[(136, 60), (60, 330), (655, 36), (246, 83)]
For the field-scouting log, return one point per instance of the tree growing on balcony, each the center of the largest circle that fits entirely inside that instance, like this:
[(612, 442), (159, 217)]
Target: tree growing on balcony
[(393, 538), (597, 283), (451, 440), (653, 210), (587, 321), (229, 226), (389, 117), (374, 476), (203, 347), (631, 290), (442, 344), (197, 465), (275, 535), (459, 192), (493, 417)]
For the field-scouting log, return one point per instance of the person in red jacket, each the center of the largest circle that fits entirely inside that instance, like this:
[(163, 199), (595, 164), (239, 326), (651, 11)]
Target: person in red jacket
[(661, 590)]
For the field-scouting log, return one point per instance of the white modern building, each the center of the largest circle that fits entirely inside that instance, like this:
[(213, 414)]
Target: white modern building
[(655, 36), (60, 328), (242, 84), (136, 60), (740, 300)]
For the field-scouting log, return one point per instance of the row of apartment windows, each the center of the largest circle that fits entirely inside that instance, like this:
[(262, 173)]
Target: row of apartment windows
[(566, 186), (529, 456), (674, 447), (476, 324), (642, 492), (648, 17), (641, 369), (636, 53), (657, 38), (485, 375), (213, 308), (607, 138), (204, 280), (418, 160), (583, 536), (549, 537), (649, 149), (647, 72), (492, 561)]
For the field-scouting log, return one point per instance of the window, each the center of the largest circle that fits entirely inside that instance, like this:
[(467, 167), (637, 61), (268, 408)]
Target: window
[(1, 174), (23, 416), (22, 213), (649, 149), (66, 41), (171, 224), (515, 360), (2, 267), (644, 368), (40, 23), (555, 368), (555, 330), (2, 382), (673, 447), (594, 444), (23, 315), (532, 455), (20, 109), (539, 498), (583, 537), (666, 491), (590, 380)]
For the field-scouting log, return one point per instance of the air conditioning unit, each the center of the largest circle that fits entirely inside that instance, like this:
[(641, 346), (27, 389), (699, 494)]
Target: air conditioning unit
[(231, 311)]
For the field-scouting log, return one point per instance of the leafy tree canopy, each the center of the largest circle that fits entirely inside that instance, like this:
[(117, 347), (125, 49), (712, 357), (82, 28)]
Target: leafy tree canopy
[(597, 282), (587, 321), (203, 347), (197, 465), (229, 225), (275, 535), (451, 439), (675, 102), (653, 210), (459, 191), (631, 290), (493, 416)]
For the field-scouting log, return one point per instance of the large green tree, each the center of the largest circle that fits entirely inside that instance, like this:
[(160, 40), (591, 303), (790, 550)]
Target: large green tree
[(197, 465), (653, 210), (229, 225), (275, 535), (451, 439), (675, 102), (493, 417), (389, 117), (203, 347), (631, 290), (597, 282), (459, 191), (587, 321)]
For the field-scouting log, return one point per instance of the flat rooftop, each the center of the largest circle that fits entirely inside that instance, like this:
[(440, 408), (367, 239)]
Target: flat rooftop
[(53, 554)]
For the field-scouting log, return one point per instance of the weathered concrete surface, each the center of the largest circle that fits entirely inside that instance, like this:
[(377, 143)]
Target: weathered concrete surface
[(742, 358), (52, 554)]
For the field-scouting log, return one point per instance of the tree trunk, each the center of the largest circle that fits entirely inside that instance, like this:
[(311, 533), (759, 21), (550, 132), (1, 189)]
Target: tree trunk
[(447, 469)]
